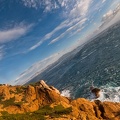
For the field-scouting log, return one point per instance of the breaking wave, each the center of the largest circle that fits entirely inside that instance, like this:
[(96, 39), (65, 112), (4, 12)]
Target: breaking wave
[(66, 93), (111, 94)]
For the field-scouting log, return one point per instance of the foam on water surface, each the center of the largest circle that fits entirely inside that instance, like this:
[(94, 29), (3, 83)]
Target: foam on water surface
[(65, 93), (111, 94)]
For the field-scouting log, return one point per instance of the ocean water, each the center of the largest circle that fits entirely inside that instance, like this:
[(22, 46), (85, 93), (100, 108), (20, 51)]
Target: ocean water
[(96, 63), (111, 94), (108, 94)]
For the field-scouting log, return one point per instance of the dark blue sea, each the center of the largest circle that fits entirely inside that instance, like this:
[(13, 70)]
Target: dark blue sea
[(96, 63)]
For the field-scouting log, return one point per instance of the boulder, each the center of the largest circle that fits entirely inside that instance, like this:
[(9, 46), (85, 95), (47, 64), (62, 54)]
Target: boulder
[(95, 91)]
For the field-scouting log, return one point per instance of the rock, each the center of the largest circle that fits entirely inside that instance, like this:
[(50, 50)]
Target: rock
[(44, 85), (4, 92), (83, 105), (47, 96), (57, 91), (30, 107), (30, 94), (22, 99), (13, 110), (95, 91), (109, 110)]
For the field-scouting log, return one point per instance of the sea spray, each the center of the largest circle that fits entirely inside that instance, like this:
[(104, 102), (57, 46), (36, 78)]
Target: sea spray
[(66, 93), (111, 94)]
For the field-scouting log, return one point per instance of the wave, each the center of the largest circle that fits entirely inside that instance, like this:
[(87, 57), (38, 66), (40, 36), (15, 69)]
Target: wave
[(66, 93), (111, 94)]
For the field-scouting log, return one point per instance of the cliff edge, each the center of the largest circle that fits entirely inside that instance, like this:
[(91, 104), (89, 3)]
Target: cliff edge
[(41, 101)]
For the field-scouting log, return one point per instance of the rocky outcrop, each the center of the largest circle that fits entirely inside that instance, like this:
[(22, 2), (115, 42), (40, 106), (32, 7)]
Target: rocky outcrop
[(108, 110), (4, 92), (96, 110), (95, 91), (30, 94), (28, 98), (22, 99)]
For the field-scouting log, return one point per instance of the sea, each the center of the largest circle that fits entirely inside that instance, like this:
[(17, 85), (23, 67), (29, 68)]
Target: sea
[(96, 63)]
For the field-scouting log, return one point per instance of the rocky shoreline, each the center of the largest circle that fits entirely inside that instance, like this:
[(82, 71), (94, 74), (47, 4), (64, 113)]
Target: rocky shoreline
[(31, 98)]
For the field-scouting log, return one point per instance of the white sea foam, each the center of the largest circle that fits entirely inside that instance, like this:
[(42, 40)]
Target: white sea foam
[(108, 94), (111, 94), (65, 93)]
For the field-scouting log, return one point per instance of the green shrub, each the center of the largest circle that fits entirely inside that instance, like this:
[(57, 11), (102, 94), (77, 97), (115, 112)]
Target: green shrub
[(11, 91), (46, 110), (9, 102), (19, 90), (54, 112), (4, 113), (22, 117), (61, 110), (57, 111), (1, 97)]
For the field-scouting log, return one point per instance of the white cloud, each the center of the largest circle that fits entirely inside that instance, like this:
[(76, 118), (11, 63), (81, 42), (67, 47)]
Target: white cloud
[(1, 52), (115, 3), (80, 8), (50, 34), (50, 5), (112, 19), (70, 24), (72, 7), (77, 31), (75, 12), (108, 14), (37, 68), (77, 25), (66, 3), (35, 46), (47, 5), (14, 33), (42, 65), (30, 3), (103, 1), (59, 27)]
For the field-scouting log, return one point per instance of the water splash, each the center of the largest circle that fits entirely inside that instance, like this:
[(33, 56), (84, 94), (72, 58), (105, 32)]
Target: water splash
[(65, 93), (111, 94)]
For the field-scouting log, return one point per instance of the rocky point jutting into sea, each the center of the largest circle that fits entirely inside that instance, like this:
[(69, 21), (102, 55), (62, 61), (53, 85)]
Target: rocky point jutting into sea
[(40, 101)]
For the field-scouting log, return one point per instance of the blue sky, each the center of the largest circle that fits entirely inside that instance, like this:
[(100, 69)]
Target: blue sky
[(33, 32)]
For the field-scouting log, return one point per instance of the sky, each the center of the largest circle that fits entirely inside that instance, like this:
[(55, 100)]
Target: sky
[(36, 33)]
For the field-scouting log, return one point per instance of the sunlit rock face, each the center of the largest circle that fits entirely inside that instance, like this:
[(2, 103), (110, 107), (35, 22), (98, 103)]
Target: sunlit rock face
[(29, 98), (38, 96)]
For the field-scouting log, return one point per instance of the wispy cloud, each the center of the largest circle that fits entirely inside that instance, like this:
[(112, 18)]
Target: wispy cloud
[(47, 5), (77, 12), (37, 68), (1, 52), (115, 3), (50, 34), (79, 24), (103, 1), (69, 24), (13, 33), (107, 15), (42, 65), (30, 3), (80, 8)]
